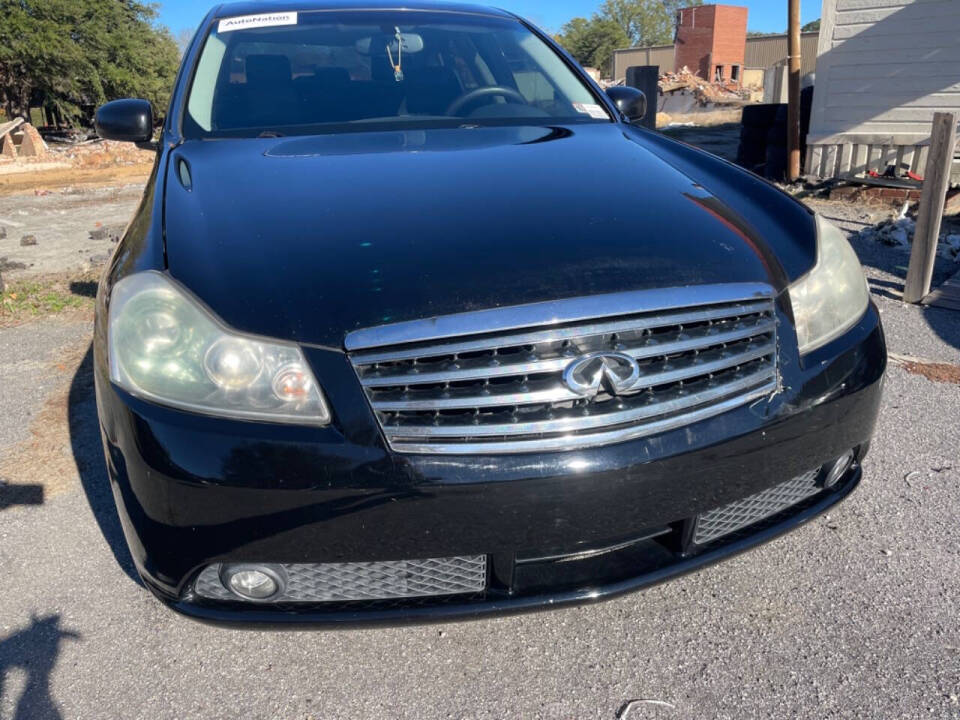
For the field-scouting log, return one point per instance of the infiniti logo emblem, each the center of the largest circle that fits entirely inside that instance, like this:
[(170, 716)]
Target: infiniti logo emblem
[(611, 371)]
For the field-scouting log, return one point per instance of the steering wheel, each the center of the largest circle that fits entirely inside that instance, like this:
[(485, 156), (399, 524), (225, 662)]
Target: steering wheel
[(484, 92)]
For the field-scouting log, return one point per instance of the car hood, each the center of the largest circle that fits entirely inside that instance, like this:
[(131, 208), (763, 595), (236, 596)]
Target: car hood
[(309, 238)]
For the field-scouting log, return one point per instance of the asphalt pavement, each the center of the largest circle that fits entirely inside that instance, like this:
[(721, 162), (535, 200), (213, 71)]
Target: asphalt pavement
[(852, 616)]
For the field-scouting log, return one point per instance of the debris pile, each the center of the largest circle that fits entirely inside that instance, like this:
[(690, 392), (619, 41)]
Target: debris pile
[(97, 154), (21, 146), (20, 139), (71, 135), (898, 232), (705, 92)]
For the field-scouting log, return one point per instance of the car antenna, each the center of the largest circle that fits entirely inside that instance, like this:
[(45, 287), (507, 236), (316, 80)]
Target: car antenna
[(397, 66)]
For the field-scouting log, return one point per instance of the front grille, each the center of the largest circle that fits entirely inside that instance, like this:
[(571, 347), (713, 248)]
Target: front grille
[(730, 518), (475, 383), (344, 582)]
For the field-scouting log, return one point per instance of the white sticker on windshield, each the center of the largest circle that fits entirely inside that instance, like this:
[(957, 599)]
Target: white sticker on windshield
[(245, 22), (594, 111)]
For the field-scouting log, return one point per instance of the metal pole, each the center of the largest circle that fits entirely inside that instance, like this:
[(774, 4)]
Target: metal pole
[(793, 93)]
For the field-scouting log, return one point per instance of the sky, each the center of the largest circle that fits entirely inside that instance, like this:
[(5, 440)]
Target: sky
[(765, 15)]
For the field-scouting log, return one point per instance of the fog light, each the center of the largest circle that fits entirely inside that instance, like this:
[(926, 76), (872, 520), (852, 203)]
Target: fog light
[(838, 469), (252, 582)]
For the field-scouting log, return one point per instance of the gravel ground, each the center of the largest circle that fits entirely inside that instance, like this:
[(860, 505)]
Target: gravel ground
[(62, 222), (852, 616)]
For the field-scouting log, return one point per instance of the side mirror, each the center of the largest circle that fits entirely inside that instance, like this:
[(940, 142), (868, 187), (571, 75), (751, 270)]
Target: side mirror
[(125, 120), (630, 101)]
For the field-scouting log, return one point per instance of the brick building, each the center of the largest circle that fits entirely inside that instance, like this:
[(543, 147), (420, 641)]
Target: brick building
[(711, 41), (762, 52)]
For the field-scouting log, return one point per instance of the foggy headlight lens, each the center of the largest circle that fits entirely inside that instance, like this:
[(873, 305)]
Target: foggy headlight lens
[(831, 298), (233, 363), (166, 348)]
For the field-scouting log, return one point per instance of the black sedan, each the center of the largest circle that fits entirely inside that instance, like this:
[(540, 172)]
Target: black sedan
[(415, 322)]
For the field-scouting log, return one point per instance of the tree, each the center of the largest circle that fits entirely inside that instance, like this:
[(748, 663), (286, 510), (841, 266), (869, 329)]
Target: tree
[(811, 26), (183, 39), (70, 55), (37, 54), (620, 24), (592, 42), (646, 22), (673, 6)]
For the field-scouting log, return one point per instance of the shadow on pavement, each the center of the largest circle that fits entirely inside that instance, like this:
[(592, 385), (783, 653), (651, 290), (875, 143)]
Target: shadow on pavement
[(885, 288), (11, 495), (34, 650), (88, 453), (84, 288), (945, 323)]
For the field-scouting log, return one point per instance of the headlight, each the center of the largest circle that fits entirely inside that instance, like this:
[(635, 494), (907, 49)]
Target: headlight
[(165, 347), (831, 298)]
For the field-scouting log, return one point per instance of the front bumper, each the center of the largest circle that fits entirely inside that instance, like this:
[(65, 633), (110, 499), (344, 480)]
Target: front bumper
[(556, 527)]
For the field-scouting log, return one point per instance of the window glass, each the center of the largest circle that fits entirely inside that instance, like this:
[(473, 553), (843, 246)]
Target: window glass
[(358, 69)]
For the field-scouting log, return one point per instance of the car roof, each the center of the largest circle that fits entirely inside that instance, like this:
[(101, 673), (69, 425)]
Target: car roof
[(255, 7)]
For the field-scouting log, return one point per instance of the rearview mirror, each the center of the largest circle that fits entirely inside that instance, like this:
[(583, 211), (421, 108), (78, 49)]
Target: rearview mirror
[(412, 43), (630, 101), (125, 120)]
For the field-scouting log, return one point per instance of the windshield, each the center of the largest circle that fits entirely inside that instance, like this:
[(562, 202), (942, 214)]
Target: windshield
[(290, 73)]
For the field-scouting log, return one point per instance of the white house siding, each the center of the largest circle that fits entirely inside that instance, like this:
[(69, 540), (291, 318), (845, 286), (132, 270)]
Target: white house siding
[(883, 68)]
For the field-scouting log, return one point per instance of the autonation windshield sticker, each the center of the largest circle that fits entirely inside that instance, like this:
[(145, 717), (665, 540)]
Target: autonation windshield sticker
[(245, 22), (594, 111)]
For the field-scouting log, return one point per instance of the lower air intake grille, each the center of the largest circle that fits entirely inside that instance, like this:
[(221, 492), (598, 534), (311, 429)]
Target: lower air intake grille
[(571, 373), (344, 582), (730, 518)]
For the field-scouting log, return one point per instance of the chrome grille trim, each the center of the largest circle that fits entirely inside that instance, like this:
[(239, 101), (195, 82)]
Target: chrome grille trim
[(555, 334), (345, 582), (552, 426), (488, 369), (738, 515), (574, 442), (553, 312), (562, 394), (503, 391)]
